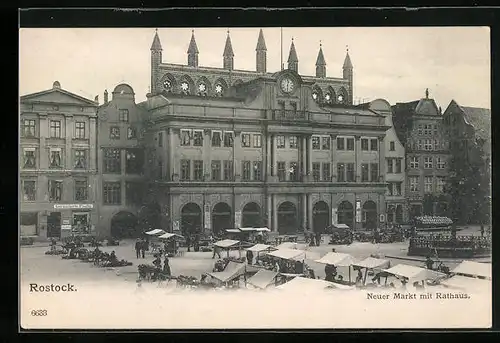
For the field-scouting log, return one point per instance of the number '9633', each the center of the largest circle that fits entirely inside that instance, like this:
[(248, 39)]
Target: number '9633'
[(39, 313)]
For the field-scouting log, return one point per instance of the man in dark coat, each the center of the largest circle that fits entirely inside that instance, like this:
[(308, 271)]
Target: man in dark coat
[(249, 256), (138, 248)]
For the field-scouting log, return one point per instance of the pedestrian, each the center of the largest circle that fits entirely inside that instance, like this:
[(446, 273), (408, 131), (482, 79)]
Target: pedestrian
[(138, 248), (188, 242), (429, 263), (482, 230), (143, 246), (166, 267), (216, 251), (318, 238), (249, 257)]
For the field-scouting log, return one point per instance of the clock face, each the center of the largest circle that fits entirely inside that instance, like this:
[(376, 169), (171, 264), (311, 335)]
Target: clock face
[(218, 89), (202, 87), (287, 85), (184, 86)]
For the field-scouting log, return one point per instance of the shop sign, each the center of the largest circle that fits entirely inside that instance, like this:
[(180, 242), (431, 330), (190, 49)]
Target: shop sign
[(73, 206), (65, 227)]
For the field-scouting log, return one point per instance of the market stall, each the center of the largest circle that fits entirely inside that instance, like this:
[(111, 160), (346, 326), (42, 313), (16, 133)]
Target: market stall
[(465, 283), (338, 260), (228, 245), (412, 274), (302, 284), (262, 279), (473, 269), (372, 264), (232, 271), (172, 242), (155, 232)]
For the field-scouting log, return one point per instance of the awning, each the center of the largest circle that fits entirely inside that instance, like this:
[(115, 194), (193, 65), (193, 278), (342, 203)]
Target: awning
[(233, 230), (226, 243), (306, 284), (292, 245), (288, 254), (261, 247), (341, 226), (262, 229), (262, 278), (232, 271), (474, 269), (155, 232), (372, 263), (170, 235), (413, 274), (467, 283), (337, 259)]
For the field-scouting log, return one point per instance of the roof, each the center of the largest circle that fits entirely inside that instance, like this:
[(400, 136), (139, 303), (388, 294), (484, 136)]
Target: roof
[(193, 48), (320, 61), (474, 269), (480, 119), (413, 273), (170, 235), (58, 95), (288, 254), (292, 56), (226, 243), (372, 263), (156, 46), (155, 232), (427, 107), (467, 283), (336, 259), (261, 247), (261, 43), (262, 278), (228, 48), (232, 270), (347, 62)]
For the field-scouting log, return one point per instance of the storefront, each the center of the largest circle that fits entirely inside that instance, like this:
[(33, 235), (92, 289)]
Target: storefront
[(73, 219)]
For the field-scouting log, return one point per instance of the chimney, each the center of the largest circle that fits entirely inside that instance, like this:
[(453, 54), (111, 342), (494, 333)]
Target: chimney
[(96, 99), (105, 96)]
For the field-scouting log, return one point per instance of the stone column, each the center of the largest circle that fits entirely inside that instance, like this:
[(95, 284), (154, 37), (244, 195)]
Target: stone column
[(238, 154), (310, 210), (69, 131), (92, 144), (171, 155), (268, 153), (207, 145), (275, 214), (304, 210), (381, 159), (309, 157), (273, 155), (333, 154), (357, 154), (303, 152), (270, 212)]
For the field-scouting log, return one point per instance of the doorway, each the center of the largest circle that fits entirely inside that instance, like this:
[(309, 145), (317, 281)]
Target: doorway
[(54, 225)]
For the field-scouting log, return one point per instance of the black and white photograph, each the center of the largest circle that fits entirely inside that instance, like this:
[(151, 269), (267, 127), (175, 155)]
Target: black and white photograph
[(255, 178)]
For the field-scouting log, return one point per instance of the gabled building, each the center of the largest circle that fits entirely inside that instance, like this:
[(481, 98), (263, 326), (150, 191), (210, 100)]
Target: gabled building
[(58, 181), (419, 127)]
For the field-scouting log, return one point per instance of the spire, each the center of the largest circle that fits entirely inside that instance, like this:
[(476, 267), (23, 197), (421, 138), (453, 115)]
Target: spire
[(193, 48), (427, 93), (261, 43), (320, 61), (292, 57), (156, 46), (228, 49), (347, 61)]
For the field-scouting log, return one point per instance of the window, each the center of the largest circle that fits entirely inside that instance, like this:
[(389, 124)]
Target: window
[(326, 172), (55, 190), (316, 172), (293, 142), (29, 128), (228, 170), (413, 180), (364, 172), (420, 144), (392, 146), (160, 139), (293, 171), (123, 115), (216, 138), (29, 190), (428, 129), (133, 193), (160, 169), (134, 161), (257, 170), (216, 166), (389, 166), (414, 162), (185, 137), (245, 140), (281, 171), (245, 167), (228, 139), (198, 170), (315, 142), (114, 132), (350, 172), (340, 144), (374, 144), (55, 160), (325, 143), (29, 158), (420, 129), (280, 141), (80, 130), (131, 133), (436, 145), (435, 130), (428, 162), (390, 188), (112, 160), (441, 163), (80, 159), (428, 145), (398, 165), (55, 129), (364, 144), (81, 190), (440, 182), (399, 187), (350, 144), (185, 170), (257, 140), (112, 193), (340, 172), (428, 184), (374, 172)]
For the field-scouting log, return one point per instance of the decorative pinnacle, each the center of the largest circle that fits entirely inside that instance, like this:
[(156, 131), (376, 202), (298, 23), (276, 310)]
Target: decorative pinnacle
[(347, 48), (320, 44)]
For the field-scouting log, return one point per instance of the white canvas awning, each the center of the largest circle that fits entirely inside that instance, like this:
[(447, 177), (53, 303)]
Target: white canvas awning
[(261, 247), (474, 269), (337, 259), (155, 232), (288, 254), (467, 284), (341, 226), (413, 274), (170, 235), (226, 243), (292, 245), (262, 278), (307, 284), (262, 229), (233, 230), (232, 271), (372, 263)]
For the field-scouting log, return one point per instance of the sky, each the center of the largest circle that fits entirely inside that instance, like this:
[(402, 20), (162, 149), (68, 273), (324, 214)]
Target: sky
[(393, 63)]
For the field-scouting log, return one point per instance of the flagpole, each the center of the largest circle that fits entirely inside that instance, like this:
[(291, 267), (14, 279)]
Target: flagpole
[(281, 46)]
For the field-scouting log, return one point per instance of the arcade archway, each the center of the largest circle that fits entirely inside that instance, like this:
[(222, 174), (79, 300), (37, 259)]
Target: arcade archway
[(125, 225), (370, 215), (321, 216), (191, 219), (251, 216), (345, 214), (287, 218), (221, 217)]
